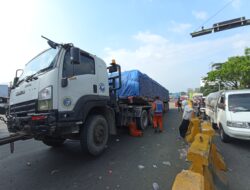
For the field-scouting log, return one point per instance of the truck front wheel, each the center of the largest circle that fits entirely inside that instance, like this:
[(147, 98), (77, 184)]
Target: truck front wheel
[(94, 135), (54, 142)]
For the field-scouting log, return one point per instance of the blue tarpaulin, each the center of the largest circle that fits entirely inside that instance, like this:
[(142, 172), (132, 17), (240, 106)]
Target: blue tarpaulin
[(135, 83)]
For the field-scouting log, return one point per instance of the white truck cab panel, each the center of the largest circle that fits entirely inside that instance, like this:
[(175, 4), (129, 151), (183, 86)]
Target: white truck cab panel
[(82, 80)]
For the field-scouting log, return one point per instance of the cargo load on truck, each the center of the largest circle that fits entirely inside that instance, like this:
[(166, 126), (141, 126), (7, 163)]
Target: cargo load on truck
[(137, 84)]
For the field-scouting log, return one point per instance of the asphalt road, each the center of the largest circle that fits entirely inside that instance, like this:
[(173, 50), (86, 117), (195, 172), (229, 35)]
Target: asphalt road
[(128, 162), (237, 157)]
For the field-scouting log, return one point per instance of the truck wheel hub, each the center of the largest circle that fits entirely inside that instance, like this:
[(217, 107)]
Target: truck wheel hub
[(99, 135)]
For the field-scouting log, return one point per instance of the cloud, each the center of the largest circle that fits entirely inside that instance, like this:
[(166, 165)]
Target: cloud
[(179, 27), (200, 15), (147, 37), (177, 66), (17, 26)]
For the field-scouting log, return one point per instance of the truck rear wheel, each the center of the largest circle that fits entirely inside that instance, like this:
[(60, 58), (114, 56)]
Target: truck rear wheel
[(142, 122), (54, 142), (94, 135)]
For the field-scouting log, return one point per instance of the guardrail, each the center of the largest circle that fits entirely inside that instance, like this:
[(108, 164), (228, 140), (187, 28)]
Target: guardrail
[(206, 161)]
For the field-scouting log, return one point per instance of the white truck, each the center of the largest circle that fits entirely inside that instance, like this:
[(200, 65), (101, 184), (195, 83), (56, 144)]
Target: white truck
[(230, 111), (67, 93)]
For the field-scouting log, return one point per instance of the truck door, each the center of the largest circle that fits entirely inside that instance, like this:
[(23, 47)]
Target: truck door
[(81, 78), (221, 111)]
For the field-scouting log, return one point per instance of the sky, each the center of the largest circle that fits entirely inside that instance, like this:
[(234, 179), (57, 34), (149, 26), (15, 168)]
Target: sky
[(150, 35)]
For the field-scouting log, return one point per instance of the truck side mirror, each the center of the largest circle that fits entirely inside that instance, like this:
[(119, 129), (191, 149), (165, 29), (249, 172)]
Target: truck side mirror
[(75, 55), (19, 72)]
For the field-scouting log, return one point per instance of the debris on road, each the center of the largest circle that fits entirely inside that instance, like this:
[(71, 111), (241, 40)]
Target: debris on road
[(100, 177), (155, 186), (28, 164), (183, 153), (110, 172), (154, 166), (53, 172), (141, 167), (117, 140), (167, 163)]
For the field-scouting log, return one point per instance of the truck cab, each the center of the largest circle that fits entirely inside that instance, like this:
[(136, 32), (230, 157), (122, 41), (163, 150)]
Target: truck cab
[(60, 91)]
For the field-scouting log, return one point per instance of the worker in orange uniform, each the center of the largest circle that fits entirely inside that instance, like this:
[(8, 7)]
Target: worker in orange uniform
[(158, 108)]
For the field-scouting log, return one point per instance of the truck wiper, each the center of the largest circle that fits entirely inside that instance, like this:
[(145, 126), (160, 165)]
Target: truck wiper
[(33, 76)]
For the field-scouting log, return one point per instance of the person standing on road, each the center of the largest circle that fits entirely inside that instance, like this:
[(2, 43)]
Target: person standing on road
[(158, 108), (179, 104), (187, 114)]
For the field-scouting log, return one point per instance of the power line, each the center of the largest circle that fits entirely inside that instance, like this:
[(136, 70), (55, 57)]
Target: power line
[(214, 15)]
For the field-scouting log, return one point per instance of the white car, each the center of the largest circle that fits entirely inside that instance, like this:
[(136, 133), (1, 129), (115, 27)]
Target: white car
[(233, 114)]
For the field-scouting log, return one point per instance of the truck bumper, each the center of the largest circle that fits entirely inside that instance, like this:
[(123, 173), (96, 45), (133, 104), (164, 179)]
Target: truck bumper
[(42, 124)]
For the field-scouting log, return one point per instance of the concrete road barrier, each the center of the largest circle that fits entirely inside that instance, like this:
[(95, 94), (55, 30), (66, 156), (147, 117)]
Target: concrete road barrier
[(193, 129), (188, 180), (204, 157)]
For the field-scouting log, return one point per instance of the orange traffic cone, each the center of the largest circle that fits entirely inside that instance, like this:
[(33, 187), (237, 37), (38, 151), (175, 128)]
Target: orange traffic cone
[(134, 131)]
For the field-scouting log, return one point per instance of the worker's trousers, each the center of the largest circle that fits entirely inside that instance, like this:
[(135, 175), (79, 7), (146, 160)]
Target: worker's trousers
[(184, 127), (157, 121)]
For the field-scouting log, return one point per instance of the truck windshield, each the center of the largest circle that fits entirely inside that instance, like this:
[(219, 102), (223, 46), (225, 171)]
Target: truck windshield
[(44, 60), (239, 102)]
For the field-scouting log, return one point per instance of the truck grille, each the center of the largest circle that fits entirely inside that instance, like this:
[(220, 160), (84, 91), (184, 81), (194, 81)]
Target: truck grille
[(23, 109)]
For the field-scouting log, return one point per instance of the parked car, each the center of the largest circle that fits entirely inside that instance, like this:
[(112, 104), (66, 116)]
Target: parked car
[(231, 111)]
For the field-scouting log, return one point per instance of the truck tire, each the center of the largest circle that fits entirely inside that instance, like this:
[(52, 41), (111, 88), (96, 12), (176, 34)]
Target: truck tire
[(223, 136), (142, 122), (54, 142), (94, 135)]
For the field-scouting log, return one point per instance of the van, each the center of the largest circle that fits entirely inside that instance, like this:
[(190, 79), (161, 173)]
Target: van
[(233, 114), (211, 103)]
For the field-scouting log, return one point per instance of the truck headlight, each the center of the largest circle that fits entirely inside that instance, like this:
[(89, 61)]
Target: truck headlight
[(45, 99), (237, 124)]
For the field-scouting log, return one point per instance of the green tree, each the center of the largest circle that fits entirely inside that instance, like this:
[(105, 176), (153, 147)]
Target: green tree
[(234, 73)]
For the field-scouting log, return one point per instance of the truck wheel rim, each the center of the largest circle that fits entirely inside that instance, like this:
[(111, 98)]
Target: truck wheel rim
[(99, 135)]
